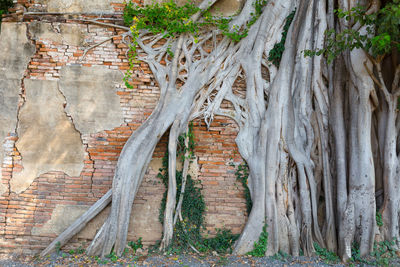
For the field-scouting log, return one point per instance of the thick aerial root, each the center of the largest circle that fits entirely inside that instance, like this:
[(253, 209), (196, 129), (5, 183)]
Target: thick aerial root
[(79, 224), (112, 235), (178, 210), (171, 194), (251, 232)]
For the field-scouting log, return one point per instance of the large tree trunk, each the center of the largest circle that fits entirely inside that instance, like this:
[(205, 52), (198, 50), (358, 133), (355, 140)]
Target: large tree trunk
[(391, 159), (357, 222), (274, 135), (391, 176), (129, 173)]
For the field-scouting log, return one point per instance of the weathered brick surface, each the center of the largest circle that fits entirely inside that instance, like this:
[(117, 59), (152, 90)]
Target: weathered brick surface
[(216, 148)]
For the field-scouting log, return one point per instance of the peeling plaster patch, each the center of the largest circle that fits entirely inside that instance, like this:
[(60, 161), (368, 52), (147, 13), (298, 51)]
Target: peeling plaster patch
[(61, 218), (15, 54), (9, 97), (146, 225), (71, 34), (80, 5), (91, 97), (194, 168), (155, 164), (137, 103), (94, 225), (15, 50), (47, 140)]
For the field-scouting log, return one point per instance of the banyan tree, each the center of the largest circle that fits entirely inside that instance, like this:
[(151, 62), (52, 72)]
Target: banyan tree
[(318, 123)]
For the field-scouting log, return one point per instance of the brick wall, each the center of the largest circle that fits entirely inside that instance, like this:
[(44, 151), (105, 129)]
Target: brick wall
[(23, 215)]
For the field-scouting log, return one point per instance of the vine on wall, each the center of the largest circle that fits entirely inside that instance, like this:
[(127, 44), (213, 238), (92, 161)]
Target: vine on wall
[(242, 175), (189, 230)]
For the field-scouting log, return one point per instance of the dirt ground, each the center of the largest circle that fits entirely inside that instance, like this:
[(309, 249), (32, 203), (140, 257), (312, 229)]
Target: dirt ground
[(66, 259)]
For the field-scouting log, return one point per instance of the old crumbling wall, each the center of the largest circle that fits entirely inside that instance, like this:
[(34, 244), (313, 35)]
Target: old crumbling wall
[(64, 120)]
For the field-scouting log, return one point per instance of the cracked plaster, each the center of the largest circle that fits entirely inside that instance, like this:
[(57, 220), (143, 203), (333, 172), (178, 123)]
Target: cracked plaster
[(15, 53), (71, 34), (48, 140), (88, 6), (91, 97)]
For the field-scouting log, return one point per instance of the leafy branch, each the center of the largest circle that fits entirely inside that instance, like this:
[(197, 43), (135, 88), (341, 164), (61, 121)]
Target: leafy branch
[(171, 20), (380, 35)]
